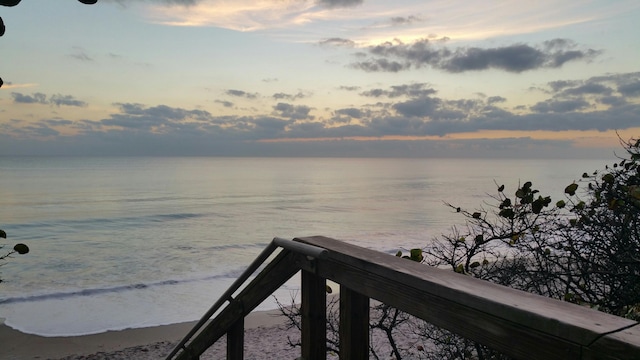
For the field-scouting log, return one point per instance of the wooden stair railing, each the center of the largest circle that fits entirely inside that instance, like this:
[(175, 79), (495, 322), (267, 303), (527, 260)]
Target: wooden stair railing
[(231, 319), (519, 324)]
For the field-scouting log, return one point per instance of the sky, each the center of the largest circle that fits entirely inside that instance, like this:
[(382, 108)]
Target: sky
[(356, 78)]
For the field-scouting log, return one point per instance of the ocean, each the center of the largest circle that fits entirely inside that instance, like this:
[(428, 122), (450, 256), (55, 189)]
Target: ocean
[(133, 242)]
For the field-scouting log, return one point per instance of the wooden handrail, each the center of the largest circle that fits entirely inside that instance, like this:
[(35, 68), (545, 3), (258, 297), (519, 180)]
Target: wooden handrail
[(519, 324), (227, 296)]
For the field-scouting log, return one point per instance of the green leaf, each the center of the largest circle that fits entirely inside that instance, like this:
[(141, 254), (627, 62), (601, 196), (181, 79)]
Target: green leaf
[(416, 255), (479, 239), (538, 205), (571, 189), (329, 289), (21, 249), (3, 234), (476, 215), (507, 213), (399, 253), (505, 203), (501, 188), (608, 178), (475, 264), (561, 204)]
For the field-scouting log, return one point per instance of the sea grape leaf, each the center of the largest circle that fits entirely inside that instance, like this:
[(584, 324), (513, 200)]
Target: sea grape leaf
[(416, 255), (507, 213), (571, 189), (21, 249)]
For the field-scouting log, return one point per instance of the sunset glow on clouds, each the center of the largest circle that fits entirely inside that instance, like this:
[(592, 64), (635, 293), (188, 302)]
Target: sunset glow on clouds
[(319, 78)]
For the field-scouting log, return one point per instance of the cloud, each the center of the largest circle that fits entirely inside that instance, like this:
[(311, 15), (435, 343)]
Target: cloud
[(243, 94), (161, 2), (11, 85), (630, 89), (611, 89), (381, 65), (411, 90), (397, 56), (349, 88), (339, 3), (560, 106), (294, 112), (160, 118), (350, 112), (35, 98), (238, 15), (337, 42), (421, 107), (495, 99), (402, 21), (58, 122), (411, 110), (227, 104), (291, 97), (40, 98), (588, 88), (80, 54), (66, 100)]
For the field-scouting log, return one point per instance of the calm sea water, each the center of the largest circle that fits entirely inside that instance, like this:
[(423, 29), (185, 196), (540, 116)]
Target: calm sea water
[(132, 242)]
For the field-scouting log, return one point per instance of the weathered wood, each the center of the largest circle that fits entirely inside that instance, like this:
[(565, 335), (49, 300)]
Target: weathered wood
[(623, 344), (274, 275), (314, 317), (354, 325), (235, 340), (519, 324)]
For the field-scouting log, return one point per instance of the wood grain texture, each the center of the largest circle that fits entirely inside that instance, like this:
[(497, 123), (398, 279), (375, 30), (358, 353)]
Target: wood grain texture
[(624, 344), (517, 323), (354, 325), (314, 317)]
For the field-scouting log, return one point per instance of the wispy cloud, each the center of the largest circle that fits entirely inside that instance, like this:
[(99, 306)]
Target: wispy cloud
[(40, 98), (242, 94), (11, 85), (375, 22), (79, 53), (240, 15)]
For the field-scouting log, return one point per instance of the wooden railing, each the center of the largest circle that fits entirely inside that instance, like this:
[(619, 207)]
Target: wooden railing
[(519, 324)]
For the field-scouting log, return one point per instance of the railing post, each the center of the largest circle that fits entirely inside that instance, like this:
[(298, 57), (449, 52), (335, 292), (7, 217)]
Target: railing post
[(354, 325), (235, 341), (314, 317)]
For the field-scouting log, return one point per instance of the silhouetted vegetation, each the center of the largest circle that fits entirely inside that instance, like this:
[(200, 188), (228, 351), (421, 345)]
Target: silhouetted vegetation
[(583, 248), (17, 249)]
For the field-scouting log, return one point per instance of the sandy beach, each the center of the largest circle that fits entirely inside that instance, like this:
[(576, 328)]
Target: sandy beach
[(265, 338)]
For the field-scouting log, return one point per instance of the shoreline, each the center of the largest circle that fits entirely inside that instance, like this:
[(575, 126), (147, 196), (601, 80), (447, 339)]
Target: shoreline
[(140, 343)]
